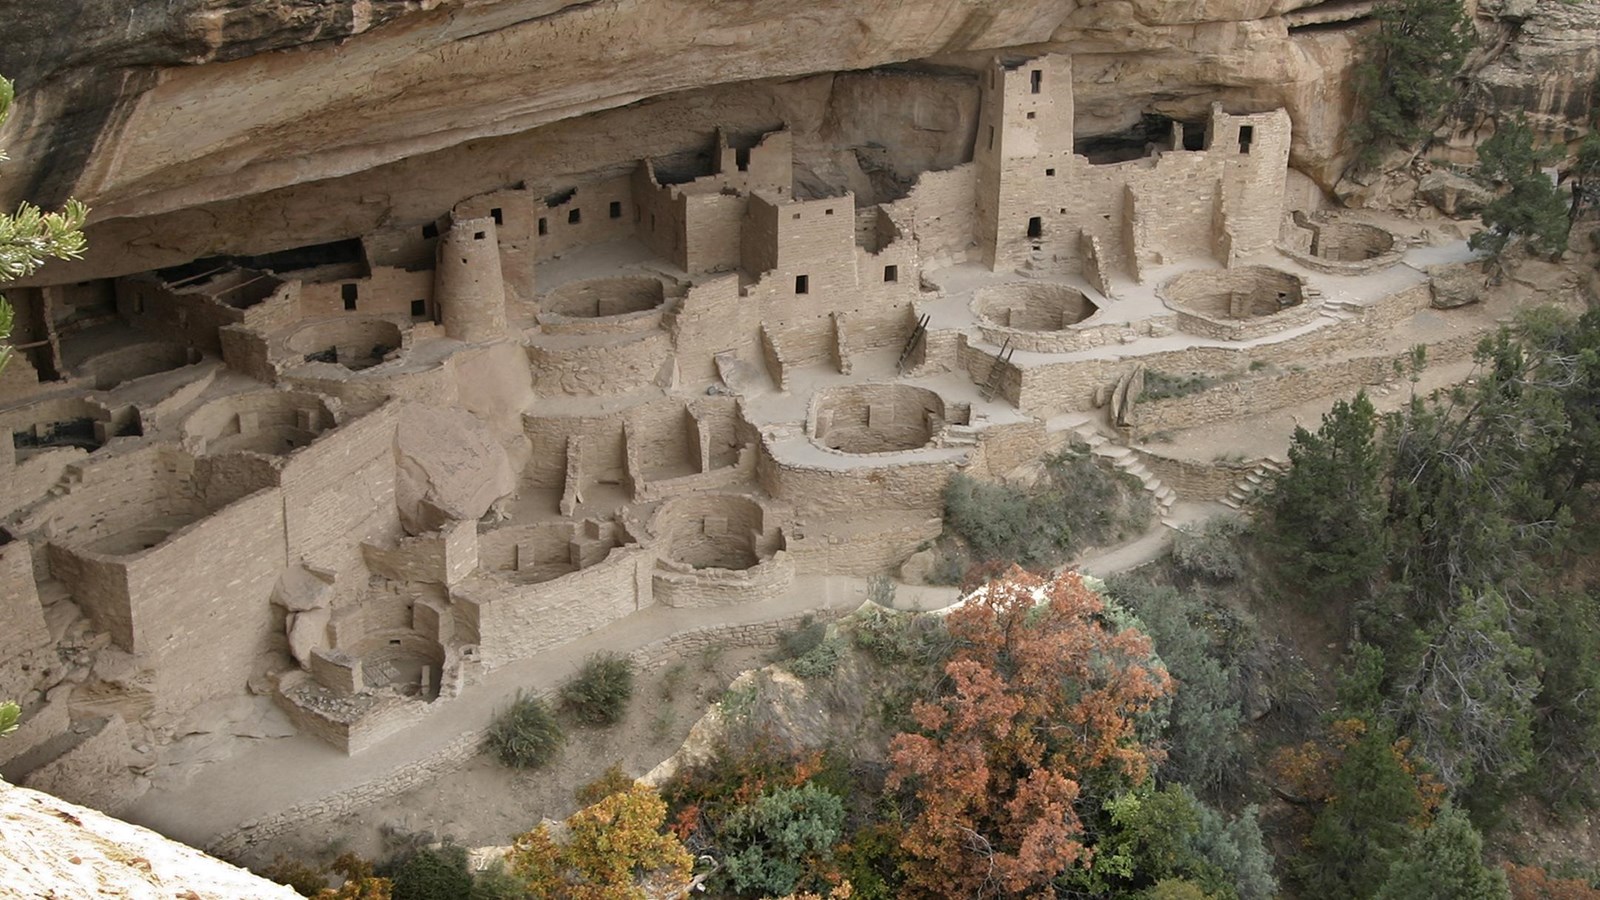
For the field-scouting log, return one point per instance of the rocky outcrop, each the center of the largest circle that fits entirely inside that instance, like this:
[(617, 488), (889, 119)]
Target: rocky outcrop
[(198, 127), (52, 848), (189, 117), (1539, 59)]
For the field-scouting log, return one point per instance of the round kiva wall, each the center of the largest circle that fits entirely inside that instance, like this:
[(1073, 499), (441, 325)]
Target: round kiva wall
[(1350, 242), (598, 298), (1028, 306), (355, 342), (266, 422), (714, 531), (875, 418), (1247, 292)]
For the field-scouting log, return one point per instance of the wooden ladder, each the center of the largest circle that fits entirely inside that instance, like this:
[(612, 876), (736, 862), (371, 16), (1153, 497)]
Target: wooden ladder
[(911, 343), (991, 384)]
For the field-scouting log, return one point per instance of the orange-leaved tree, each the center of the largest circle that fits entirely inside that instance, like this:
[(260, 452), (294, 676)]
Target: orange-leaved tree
[(614, 850), (1045, 693)]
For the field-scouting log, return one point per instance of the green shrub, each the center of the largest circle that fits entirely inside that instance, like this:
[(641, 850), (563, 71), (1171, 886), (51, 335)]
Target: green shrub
[(818, 662), (438, 874), (768, 842), (599, 693), (871, 861), (526, 735), (901, 637), (1077, 503), (1212, 551), (801, 639), (1211, 649)]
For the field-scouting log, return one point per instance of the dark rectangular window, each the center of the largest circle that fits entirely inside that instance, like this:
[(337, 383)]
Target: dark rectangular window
[(479, 235), (891, 273), (827, 212), (616, 209), (499, 215), (802, 284), (419, 309), (348, 293), (1038, 80), (574, 216), (1247, 134), (741, 158), (1032, 115), (1036, 227), (991, 137), (430, 231), (1049, 173), (544, 225)]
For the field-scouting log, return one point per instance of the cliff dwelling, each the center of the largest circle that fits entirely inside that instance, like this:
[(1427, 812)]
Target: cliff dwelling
[(360, 466)]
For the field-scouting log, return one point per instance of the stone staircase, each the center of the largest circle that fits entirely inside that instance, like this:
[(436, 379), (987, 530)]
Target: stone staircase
[(1265, 468), (1341, 310), (1125, 460)]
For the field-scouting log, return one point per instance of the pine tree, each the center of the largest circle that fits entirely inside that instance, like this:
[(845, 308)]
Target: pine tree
[(1445, 862), (1529, 209), (1326, 512), (1367, 823), (1406, 78)]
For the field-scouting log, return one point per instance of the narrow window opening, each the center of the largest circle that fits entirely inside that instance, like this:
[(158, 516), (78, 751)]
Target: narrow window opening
[(802, 284), (498, 215), (430, 231), (891, 273), (741, 158), (349, 292), (616, 209), (1036, 227), (1049, 173), (797, 217), (827, 212), (1038, 80), (652, 221), (479, 235), (1033, 115), (544, 225), (574, 216), (419, 309), (991, 137), (1247, 135)]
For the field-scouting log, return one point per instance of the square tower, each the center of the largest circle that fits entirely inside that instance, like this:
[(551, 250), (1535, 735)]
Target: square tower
[(1025, 117)]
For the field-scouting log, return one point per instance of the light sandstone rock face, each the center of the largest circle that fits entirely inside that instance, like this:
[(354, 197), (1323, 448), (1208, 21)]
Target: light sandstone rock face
[(207, 126), (1540, 59), (52, 848), (219, 125)]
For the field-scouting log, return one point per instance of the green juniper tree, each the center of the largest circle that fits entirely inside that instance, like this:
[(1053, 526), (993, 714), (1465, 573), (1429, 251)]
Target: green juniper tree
[(1326, 512), (1528, 208), (1406, 78), (1445, 862)]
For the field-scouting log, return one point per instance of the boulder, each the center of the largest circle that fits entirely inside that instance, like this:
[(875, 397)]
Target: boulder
[(448, 466), (1453, 194), (308, 631), (1456, 285)]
